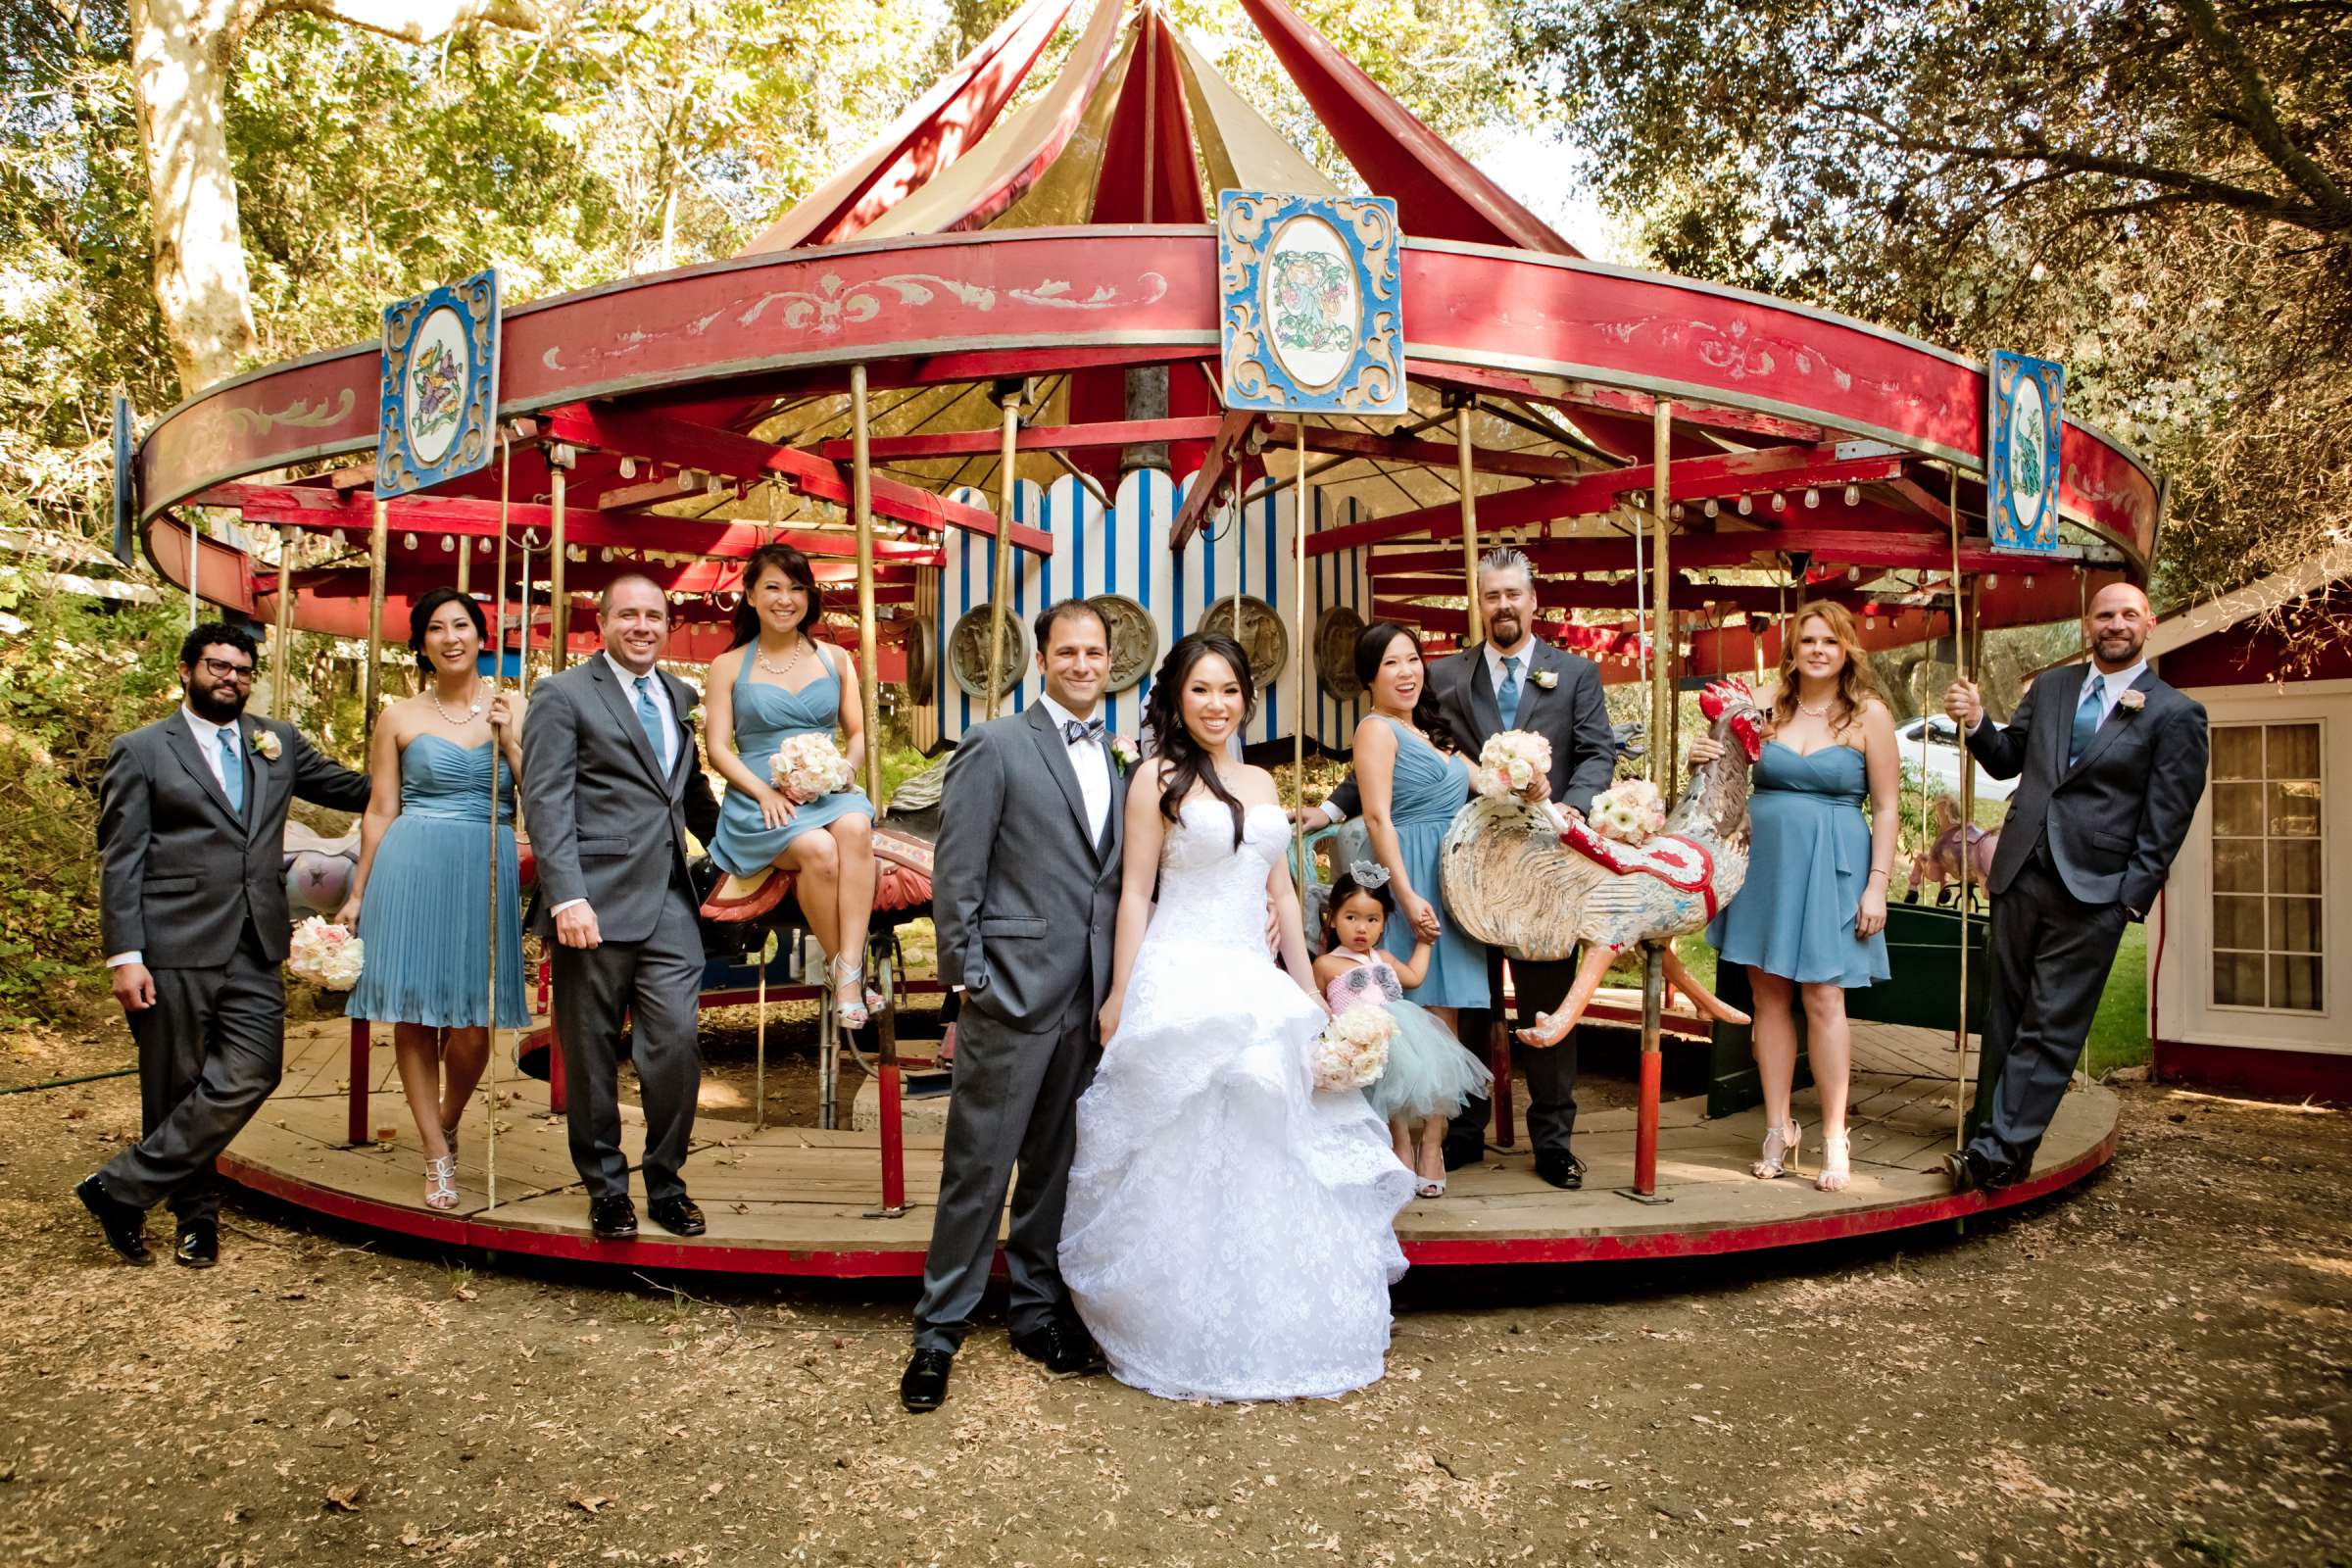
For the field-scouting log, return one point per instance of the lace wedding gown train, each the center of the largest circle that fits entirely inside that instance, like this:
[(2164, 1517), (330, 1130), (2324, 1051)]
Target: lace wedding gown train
[(1229, 1233)]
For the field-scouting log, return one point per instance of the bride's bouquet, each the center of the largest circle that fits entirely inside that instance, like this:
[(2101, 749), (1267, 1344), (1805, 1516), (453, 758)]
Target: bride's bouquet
[(325, 955), (1631, 812), (809, 765), (1352, 1052), (1509, 763)]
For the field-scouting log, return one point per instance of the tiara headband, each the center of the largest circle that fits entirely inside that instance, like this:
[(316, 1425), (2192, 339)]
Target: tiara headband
[(1368, 874)]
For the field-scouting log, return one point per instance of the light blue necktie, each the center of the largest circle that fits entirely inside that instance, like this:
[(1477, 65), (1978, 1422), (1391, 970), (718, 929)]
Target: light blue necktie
[(2087, 714), (650, 718), (232, 771), (1506, 701)]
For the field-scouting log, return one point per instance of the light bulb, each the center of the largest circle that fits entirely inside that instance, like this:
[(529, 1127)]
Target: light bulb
[(407, 540), (1812, 497), (1747, 505), (1780, 502), (628, 468), (448, 545), (1853, 494), (1712, 507)]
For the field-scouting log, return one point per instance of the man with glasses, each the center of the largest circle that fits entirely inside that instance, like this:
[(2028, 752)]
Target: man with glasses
[(191, 831)]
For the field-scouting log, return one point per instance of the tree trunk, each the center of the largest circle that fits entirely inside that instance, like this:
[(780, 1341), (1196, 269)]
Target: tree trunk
[(179, 55)]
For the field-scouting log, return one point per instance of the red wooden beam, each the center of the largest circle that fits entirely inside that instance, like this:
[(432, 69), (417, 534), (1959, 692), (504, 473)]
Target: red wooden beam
[(1037, 438), (1572, 595), (1224, 448), (990, 365), (715, 450), (1430, 454)]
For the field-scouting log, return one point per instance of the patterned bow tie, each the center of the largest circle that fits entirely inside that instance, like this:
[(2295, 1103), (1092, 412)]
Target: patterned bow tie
[(1074, 730)]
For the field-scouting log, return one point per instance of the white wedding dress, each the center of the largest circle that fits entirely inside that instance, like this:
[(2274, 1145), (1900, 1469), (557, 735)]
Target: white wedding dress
[(1230, 1232)]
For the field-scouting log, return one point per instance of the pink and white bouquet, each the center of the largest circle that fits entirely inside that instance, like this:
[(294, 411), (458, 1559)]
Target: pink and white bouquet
[(325, 955), (809, 765), (1631, 812), (1509, 763), (1352, 1052)]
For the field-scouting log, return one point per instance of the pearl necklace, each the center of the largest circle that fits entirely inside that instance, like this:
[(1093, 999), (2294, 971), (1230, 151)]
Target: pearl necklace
[(789, 665), (473, 706), (1822, 711)]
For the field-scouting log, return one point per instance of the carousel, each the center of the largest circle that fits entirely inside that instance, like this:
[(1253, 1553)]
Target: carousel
[(996, 361)]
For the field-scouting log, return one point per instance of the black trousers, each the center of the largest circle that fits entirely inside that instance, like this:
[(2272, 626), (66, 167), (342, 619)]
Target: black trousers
[(1550, 1070), (211, 1049), (2051, 956)]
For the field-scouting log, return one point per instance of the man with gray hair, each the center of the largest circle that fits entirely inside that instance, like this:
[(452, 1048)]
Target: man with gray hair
[(1515, 680), (610, 783)]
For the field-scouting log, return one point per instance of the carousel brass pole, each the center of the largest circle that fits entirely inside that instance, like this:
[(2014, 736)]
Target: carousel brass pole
[(1462, 454), (886, 1026), (379, 546), (559, 603), (1661, 773), (466, 559), (1968, 815), (282, 695), (498, 655), (1000, 589), (1298, 650)]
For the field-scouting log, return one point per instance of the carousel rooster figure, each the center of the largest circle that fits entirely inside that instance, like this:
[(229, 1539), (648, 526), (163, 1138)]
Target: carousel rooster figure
[(1516, 879)]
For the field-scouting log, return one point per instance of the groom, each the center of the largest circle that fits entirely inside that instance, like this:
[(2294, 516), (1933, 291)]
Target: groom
[(1516, 680), (2110, 763), (192, 904), (610, 783), (1025, 892)]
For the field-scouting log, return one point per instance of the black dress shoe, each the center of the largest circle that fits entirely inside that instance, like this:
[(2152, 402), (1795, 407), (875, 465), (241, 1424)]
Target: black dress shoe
[(1561, 1169), (199, 1244), (612, 1219), (924, 1385), (1971, 1172), (121, 1222), (1063, 1345), (1458, 1156), (679, 1215)]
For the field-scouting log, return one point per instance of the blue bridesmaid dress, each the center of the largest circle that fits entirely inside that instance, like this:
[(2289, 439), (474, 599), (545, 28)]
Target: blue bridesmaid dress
[(1808, 863), (1429, 788), (765, 717), (425, 920)]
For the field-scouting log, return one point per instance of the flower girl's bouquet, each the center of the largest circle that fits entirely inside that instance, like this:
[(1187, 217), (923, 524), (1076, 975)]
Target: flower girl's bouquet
[(1631, 812), (325, 955), (809, 765), (1509, 763), (1352, 1051)]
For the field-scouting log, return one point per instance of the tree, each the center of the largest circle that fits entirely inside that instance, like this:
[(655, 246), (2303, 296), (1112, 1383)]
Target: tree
[(2158, 194)]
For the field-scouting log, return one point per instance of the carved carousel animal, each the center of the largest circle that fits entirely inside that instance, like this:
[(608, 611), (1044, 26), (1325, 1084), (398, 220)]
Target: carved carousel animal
[(1515, 879), (1943, 863)]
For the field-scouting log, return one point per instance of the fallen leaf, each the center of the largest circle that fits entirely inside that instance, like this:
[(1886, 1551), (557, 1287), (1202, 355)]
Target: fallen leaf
[(589, 1502), (346, 1498)]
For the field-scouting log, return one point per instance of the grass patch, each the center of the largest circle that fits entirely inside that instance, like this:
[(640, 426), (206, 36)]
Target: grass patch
[(2118, 1035)]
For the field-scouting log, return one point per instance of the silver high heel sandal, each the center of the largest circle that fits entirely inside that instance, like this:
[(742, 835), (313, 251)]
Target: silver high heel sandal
[(441, 1182), (850, 976), (1781, 1145), (1837, 1162)]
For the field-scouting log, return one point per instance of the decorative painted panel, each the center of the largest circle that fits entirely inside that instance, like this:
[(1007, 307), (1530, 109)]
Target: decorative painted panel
[(1310, 308), (437, 388), (2022, 428)]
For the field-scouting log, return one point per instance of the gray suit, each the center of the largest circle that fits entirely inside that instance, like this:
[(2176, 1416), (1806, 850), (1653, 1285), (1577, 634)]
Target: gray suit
[(1025, 906), (199, 891), (2085, 850), (1574, 717), (609, 825)]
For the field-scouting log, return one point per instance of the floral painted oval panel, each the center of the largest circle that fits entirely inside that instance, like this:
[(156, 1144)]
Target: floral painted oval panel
[(2028, 454), (1312, 312), (440, 363)]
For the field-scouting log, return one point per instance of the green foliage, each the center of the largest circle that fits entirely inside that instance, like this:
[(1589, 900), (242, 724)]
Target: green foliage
[(2118, 1034)]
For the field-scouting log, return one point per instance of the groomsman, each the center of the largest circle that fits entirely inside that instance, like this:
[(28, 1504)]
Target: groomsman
[(1516, 680), (2111, 763), (192, 908)]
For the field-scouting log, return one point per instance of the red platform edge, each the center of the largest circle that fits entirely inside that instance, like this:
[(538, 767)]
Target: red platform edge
[(719, 1257)]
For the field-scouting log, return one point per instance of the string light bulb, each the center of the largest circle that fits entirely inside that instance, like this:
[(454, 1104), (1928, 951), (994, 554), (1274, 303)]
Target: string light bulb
[(449, 545), (1853, 494), (1780, 502), (407, 540), (1812, 497), (1747, 505)]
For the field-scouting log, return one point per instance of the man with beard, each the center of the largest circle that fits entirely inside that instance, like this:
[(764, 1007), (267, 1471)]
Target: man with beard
[(191, 840), (2111, 763), (1515, 680)]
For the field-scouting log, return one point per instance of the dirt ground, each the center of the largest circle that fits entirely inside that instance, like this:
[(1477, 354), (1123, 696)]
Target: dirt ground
[(2156, 1369)]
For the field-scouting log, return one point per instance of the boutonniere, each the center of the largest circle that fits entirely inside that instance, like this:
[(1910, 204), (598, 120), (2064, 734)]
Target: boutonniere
[(1124, 754), (2132, 701), (1546, 678), (266, 745), (694, 716)]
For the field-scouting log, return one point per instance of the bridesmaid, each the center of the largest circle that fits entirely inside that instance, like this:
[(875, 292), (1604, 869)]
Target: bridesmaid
[(1411, 791), (1811, 918), (418, 896), (777, 681)]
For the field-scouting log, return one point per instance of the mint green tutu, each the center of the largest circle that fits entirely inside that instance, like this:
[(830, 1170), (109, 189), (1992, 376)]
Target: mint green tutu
[(1430, 1073)]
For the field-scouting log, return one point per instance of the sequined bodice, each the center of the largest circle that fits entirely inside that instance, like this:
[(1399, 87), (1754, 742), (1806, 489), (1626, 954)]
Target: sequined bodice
[(1209, 891)]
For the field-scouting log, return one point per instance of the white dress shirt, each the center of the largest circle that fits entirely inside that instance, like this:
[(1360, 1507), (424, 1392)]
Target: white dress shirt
[(1092, 765), (2111, 691), (208, 747)]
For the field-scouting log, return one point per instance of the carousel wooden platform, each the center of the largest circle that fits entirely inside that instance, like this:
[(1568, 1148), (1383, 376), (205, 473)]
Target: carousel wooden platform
[(799, 1201)]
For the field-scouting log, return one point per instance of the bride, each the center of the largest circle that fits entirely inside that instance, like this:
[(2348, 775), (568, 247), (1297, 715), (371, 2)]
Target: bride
[(1229, 1230)]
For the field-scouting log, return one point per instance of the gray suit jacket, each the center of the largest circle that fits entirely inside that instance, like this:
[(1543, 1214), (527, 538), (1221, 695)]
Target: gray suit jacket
[(180, 873), (607, 824), (2117, 817), (1572, 714), (1024, 905)]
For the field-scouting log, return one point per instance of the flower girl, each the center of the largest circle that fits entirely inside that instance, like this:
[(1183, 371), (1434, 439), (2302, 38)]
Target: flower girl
[(1429, 1074)]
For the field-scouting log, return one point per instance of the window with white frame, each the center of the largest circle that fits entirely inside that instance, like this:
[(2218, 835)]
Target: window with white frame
[(2268, 851)]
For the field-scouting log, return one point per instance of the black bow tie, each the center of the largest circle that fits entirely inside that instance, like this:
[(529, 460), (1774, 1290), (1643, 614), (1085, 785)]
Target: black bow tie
[(1074, 730)]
